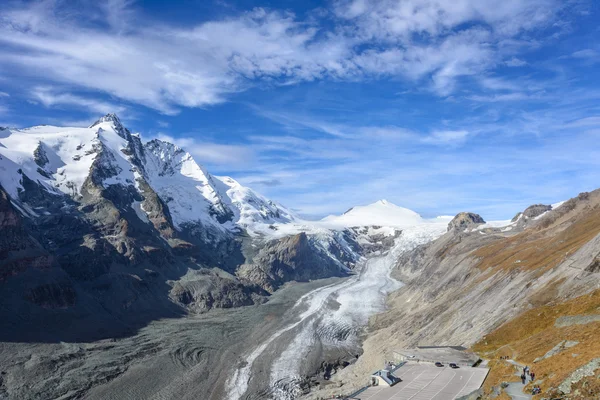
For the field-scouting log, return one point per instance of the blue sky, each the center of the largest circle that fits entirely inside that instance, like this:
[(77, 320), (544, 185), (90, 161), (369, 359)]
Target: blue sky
[(439, 106)]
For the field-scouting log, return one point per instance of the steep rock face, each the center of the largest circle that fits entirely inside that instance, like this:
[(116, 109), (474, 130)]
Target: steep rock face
[(22, 258), (292, 258), (18, 250), (465, 220)]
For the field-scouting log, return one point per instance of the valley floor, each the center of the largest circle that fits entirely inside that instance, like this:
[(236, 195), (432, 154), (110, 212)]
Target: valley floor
[(168, 359)]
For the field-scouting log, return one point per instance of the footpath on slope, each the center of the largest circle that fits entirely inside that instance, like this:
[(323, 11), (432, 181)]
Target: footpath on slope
[(515, 389)]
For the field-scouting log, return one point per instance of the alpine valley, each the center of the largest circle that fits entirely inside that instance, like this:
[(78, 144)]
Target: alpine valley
[(129, 271)]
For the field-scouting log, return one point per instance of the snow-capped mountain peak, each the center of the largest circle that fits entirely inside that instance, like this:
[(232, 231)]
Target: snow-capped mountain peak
[(251, 208), (110, 118), (187, 188), (111, 122), (381, 212), (63, 159)]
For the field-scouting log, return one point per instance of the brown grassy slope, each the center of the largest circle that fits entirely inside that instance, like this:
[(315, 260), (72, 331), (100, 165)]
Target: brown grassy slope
[(532, 334), (547, 244)]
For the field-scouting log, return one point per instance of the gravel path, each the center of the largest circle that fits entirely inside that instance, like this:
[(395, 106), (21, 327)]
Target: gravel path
[(515, 389)]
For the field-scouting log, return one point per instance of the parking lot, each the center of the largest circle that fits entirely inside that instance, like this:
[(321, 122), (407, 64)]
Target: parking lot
[(424, 381)]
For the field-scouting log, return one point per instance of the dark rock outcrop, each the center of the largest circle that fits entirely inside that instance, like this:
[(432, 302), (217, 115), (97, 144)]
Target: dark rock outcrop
[(18, 250), (464, 220), (208, 290), (536, 210)]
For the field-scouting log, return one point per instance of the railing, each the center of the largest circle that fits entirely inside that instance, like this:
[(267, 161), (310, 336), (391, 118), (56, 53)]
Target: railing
[(399, 355)]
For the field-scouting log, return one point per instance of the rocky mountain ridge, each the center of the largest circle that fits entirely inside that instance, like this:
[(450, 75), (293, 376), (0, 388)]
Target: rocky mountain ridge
[(98, 225)]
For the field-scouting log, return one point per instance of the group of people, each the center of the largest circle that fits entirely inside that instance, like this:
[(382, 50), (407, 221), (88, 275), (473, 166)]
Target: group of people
[(527, 373), (504, 357), (536, 390)]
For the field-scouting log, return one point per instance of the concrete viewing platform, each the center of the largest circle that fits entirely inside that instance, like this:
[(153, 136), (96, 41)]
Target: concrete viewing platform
[(425, 381), (426, 373)]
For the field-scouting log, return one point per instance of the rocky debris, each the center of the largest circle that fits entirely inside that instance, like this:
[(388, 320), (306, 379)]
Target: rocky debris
[(580, 373), (465, 220), (570, 320), (565, 344), (594, 265), (330, 367)]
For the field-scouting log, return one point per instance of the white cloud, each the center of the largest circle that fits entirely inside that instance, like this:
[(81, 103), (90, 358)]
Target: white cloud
[(398, 20), (585, 122), (586, 53), (499, 84), (50, 97), (166, 67), (505, 97), (447, 137), (4, 94), (515, 62)]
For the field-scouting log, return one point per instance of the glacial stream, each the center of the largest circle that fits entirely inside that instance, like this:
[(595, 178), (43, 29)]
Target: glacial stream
[(327, 320)]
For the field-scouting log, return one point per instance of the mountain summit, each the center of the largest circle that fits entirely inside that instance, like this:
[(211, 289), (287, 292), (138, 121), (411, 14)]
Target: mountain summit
[(382, 213)]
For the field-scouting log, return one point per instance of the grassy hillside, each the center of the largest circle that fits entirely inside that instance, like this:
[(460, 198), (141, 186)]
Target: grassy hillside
[(535, 332)]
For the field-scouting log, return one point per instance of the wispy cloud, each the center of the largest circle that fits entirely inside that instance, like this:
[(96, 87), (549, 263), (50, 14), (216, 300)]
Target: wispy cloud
[(586, 53), (51, 97), (166, 67), (515, 62), (453, 138)]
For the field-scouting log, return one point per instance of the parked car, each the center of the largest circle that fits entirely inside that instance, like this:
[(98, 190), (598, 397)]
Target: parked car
[(439, 364), (453, 365)]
